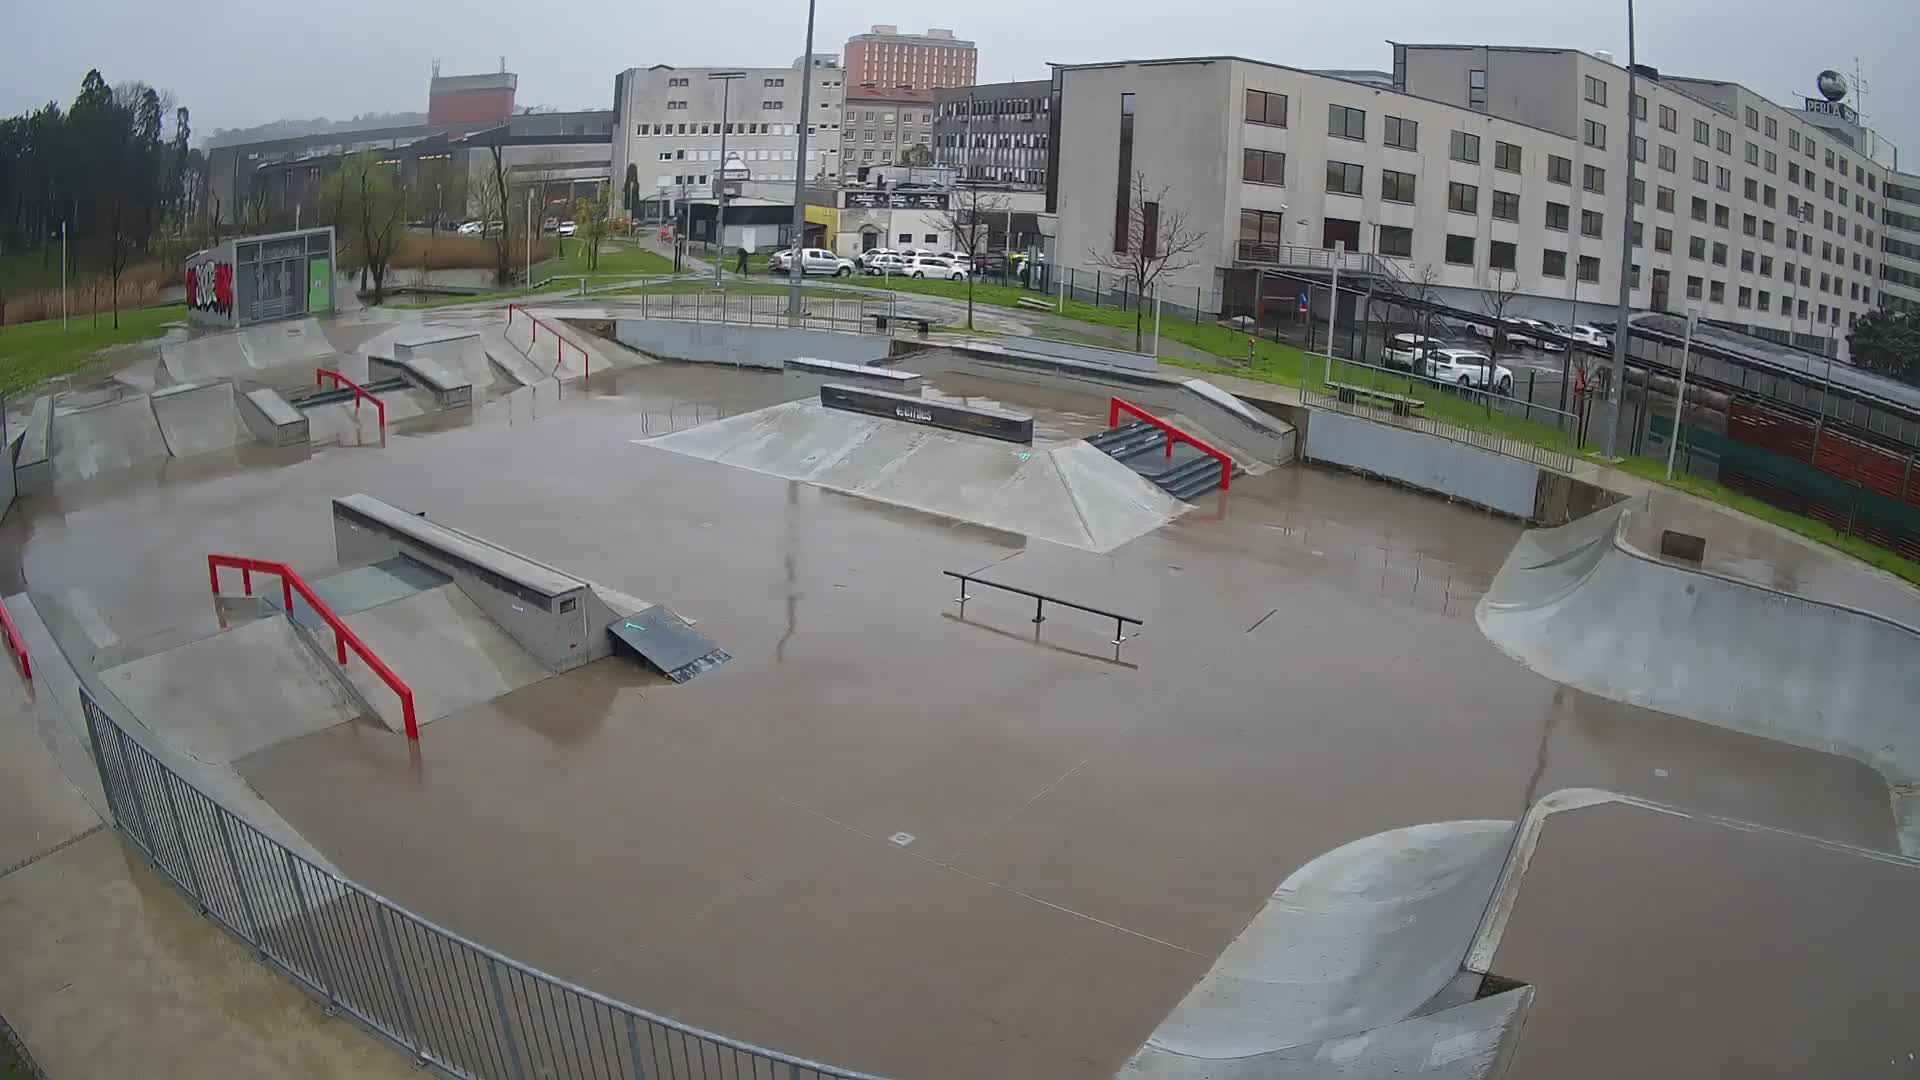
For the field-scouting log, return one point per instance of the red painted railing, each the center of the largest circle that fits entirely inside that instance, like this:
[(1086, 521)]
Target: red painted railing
[(16, 644), (343, 636), (1117, 406), (559, 342), (360, 393)]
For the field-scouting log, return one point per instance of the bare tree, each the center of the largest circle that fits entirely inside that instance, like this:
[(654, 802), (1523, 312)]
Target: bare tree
[(493, 202), (1496, 300), (1156, 240), (590, 218), (969, 218)]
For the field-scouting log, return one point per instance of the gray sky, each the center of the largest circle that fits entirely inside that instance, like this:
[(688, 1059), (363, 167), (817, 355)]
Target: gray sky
[(237, 64)]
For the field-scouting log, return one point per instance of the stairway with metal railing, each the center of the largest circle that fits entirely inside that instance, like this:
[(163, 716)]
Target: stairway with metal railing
[(1186, 473)]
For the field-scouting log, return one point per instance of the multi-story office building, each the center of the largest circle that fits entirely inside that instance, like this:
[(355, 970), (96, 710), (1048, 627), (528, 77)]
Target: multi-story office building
[(1900, 240), (1486, 170), (668, 126), (880, 125), (995, 133), (886, 57)]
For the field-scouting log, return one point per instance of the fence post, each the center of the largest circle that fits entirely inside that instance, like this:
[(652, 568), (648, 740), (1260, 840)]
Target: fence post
[(306, 927), (180, 836), (633, 1048), (139, 805), (506, 1023), (400, 988), (240, 882)]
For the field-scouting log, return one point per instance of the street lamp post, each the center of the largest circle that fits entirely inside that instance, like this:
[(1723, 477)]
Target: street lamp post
[(1609, 439), (726, 80), (794, 268)]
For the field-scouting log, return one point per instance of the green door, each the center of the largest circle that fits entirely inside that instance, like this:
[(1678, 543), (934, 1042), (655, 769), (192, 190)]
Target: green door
[(319, 284)]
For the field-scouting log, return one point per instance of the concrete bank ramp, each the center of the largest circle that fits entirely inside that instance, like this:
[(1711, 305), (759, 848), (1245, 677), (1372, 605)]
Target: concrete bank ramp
[(1069, 493), (246, 352), (581, 357), (1582, 606), (449, 653), (510, 361), (357, 423), (88, 442), (196, 418)]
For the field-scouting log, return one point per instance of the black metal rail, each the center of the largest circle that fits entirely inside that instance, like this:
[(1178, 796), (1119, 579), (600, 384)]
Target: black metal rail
[(1040, 602)]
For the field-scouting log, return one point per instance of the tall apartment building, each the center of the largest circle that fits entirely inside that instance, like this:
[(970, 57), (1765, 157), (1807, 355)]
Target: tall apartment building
[(995, 132), (886, 57), (668, 126), (1486, 169), (1900, 240), (880, 124)]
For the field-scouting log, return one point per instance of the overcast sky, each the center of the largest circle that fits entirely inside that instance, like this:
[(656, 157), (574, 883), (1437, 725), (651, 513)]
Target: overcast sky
[(242, 63)]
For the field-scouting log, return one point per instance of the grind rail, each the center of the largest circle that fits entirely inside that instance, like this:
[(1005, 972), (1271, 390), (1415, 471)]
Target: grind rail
[(343, 635), (360, 393), (16, 643), (559, 342), (1116, 406), (1040, 602)]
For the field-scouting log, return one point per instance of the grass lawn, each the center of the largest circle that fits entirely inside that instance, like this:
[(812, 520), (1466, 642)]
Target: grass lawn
[(618, 258), (733, 287), (32, 353)]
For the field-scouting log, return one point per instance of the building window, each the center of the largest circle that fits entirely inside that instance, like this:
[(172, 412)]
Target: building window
[(1793, 172), (1749, 225), (1722, 216), (1719, 254), (1746, 262), (1557, 216), (1639, 149), (1396, 240), (1750, 189), (1766, 298), (1345, 123), (1591, 222), (1697, 248), (1702, 172), (1772, 161), (1265, 108), (1639, 107), (1477, 92), (1663, 199), (1264, 167), (1463, 198), (1669, 120), (1559, 169), (1596, 90), (1717, 292), (1752, 116), (1766, 231), (1694, 287), (1703, 133), (1261, 227), (1459, 249), (1699, 209), (1501, 255), (1396, 186), (1639, 234), (1773, 128), (1123, 191), (1402, 134), (1723, 140), (1669, 159), (1594, 179), (1594, 134), (1662, 239), (1506, 156), (1753, 153), (1553, 264), (1506, 206), (1344, 178), (1722, 178), (1589, 268), (1793, 139)]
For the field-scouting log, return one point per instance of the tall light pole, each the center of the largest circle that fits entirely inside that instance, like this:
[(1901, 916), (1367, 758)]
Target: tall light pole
[(725, 79), (1609, 439), (794, 268)]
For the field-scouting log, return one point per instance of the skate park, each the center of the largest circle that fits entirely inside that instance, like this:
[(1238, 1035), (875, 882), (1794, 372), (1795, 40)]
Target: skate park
[(1361, 785)]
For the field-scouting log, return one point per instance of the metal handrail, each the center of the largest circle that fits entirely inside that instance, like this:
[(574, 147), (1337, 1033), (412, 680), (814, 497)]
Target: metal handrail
[(320, 377), (560, 342), (1041, 600), (343, 635), (1116, 406), (16, 643)]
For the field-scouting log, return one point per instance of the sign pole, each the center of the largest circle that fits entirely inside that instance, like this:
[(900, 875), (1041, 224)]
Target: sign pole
[(1680, 403)]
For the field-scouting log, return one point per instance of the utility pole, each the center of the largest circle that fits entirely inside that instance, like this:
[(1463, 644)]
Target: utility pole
[(1680, 401), (795, 269), (1610, 438), (726, 80), (63, 277)]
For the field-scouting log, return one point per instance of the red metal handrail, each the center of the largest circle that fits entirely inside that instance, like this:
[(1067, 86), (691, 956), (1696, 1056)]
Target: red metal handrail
[(16, 643), (559, 342), (320, 377), (1116, 406), (343, 635)]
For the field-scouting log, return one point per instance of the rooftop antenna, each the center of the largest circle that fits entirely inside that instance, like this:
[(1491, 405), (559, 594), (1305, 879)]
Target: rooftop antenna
[(436, 67), (1860, 88), (503, 65)]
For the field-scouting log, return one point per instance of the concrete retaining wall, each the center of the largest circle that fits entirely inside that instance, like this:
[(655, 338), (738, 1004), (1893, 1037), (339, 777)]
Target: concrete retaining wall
[(271, 418), (804, 376), (746, 346), (1428, 462), (1087, 354), (33, 461)]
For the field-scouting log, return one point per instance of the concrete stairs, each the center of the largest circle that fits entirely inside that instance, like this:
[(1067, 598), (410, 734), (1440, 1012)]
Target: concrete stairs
[(1185, 475)]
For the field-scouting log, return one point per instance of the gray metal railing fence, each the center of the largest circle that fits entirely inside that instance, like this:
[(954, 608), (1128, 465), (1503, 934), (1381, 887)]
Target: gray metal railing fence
[(457, 1007)]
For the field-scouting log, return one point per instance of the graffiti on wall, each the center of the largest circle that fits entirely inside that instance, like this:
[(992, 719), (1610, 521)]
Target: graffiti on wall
[(210, 287)]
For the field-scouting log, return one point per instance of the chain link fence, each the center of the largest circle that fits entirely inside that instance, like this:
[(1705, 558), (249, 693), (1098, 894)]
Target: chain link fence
[(459, 1008)]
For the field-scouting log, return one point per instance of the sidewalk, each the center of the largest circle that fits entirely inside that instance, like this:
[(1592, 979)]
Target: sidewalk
[(110, 972)]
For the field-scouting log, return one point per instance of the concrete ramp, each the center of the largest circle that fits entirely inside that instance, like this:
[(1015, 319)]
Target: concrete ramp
[(196, 418), (446, 650), (1356, 940), (223, 697), (1582, 606), (357, 423), (88, 442), (580, 357), (507, 359), (1068, 493), (249, 351)]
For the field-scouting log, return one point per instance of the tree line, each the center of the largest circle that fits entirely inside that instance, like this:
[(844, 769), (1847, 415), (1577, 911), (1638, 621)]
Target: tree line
[(115, 168)]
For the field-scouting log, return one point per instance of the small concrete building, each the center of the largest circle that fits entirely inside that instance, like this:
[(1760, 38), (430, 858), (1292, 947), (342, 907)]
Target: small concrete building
[(252, 279)]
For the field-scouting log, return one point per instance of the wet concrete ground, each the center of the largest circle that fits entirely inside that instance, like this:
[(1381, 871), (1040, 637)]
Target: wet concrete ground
[(882, 836)]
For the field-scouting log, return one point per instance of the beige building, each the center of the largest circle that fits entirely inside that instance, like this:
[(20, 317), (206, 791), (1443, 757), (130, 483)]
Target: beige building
[(886, 57), (880, 124), (1485, 169)]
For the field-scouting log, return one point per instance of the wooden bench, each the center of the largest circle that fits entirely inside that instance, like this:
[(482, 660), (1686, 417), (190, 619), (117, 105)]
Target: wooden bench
[(880, 322), (1401, 404), (1035, 304)]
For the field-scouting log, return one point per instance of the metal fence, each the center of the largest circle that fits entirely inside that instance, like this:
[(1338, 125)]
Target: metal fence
[(457, 1007), (1372, 392), (857, 315)]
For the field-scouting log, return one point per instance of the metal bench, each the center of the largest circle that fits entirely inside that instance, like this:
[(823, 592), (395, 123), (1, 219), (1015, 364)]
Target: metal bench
[(880, 322), (1401, 404)]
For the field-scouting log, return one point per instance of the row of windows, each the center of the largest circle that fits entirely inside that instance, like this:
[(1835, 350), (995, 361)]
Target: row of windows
[(1347, 178), (996, 106), (730, 129)]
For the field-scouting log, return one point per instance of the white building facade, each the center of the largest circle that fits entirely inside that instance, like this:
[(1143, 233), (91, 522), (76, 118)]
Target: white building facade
[(1900, 240)]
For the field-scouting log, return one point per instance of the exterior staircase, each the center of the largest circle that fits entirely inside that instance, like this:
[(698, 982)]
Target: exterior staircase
[(1185, 475)]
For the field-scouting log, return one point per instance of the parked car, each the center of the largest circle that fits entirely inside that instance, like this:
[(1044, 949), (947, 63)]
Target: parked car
[(1404, 351), (469, 228), (567, 228), (873, 253), (1468, 368), (1599, 337), (885, 263), (933, 266), (817, 261), (1545, 335), (1512, 332)]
